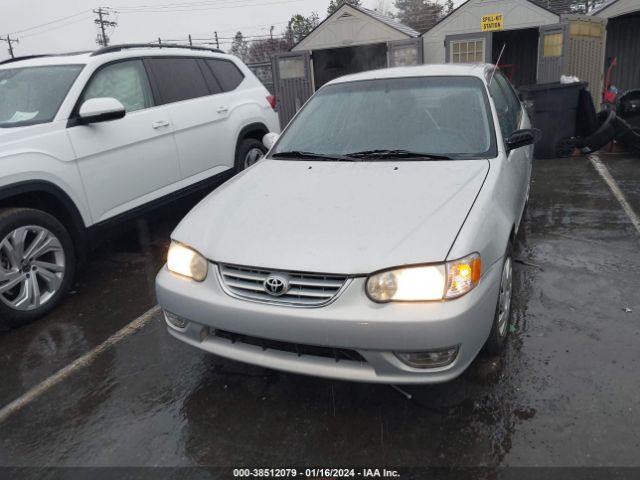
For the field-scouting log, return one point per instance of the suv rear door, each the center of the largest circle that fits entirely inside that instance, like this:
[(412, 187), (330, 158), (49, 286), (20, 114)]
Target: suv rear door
[(131, 161), (199, 111)]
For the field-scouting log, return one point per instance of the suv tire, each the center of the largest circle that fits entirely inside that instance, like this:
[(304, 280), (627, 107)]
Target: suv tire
[(37, 265), (502, 319), (249, 152)]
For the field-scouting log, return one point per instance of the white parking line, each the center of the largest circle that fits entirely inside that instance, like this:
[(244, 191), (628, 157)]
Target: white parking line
[(606, 176), (83, 361)]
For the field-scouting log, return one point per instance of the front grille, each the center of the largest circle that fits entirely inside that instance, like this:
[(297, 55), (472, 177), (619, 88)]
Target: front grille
[(338, 354), (305, 289)]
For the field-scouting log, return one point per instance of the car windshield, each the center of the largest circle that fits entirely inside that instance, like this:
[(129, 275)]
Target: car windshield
[(431, 118), (34, 94)]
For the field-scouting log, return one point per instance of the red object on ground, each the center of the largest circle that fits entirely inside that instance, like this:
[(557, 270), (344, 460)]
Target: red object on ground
[(609, 96)]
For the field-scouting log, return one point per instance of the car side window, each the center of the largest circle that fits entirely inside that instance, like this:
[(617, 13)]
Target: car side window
[(515, 108), (178, 79), (126, 81), (505, 110), (226, 72)]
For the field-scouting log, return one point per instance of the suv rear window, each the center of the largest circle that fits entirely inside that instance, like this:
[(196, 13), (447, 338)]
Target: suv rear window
[(227, 73), (177, 79)]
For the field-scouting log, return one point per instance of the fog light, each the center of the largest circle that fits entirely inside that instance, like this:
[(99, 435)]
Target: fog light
[(175, 321), (432, 359)]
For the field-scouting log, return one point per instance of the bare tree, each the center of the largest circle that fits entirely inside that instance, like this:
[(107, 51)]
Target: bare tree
[(336, 4), (420, 15), (239, 47), (382, 6)]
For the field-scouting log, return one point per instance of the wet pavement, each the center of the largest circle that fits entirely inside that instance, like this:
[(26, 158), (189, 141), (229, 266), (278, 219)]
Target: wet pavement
[(563, 394)]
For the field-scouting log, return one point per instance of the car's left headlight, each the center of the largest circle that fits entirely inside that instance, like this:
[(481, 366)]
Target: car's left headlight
[(426, 282), (187, 262)]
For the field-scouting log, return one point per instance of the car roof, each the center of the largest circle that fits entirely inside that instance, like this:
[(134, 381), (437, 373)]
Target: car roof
[(86, 58), (433, 70)]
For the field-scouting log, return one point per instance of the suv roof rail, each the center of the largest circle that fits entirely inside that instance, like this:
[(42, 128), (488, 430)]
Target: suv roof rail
[(42, 55), (117, 48), (24, 57)]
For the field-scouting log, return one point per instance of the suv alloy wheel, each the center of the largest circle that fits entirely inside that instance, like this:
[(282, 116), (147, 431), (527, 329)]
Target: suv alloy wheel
[(36, 264)]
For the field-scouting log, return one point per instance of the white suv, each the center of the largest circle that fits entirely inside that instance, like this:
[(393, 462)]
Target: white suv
[(88, 139)]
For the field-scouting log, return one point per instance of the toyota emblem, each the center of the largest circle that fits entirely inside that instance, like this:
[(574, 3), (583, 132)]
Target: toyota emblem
[(276, 285)]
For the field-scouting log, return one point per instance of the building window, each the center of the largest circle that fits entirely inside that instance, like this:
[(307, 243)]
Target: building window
[(553, 45), (405, 56), (291, 68), (585, 29), (467, 51)]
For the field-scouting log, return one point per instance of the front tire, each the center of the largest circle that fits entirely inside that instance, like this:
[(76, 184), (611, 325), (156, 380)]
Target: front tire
[(249, 152), (37, 264), (502, 319)]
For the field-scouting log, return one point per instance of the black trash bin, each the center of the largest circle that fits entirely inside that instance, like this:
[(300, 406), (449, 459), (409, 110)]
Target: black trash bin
[(552, 108)]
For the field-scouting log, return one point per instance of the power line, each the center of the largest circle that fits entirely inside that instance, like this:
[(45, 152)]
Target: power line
[(50, 22), (221, 6), (56, 27), (10, 41), (102, 38), (180, 6)]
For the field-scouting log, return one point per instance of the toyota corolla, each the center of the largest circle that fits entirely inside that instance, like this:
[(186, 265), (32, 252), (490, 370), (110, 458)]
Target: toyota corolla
[(373, 242)]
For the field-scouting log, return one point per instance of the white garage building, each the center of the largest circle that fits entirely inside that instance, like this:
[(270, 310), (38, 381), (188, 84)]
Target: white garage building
[(351, 40), (478, 29)]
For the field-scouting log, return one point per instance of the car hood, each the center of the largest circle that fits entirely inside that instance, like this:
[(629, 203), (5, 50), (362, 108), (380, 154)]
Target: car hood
[(335, 217)]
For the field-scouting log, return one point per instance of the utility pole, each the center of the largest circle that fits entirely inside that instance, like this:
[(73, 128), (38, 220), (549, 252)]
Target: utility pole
[(271, 33), (10, 41), (190, 42), (102, 13), (217, 42)]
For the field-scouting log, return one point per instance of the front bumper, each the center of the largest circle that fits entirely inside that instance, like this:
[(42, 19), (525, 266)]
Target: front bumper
[(351, 322)]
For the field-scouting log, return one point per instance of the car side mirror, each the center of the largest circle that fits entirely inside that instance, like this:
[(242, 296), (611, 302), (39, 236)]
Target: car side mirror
[(270, 139), (522, 138), (103, 109)]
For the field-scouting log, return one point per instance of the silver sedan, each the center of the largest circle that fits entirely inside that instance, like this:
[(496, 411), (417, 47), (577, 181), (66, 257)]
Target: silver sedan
[(373, 242)]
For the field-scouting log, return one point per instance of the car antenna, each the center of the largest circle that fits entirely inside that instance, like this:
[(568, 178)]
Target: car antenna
[(495, 67)]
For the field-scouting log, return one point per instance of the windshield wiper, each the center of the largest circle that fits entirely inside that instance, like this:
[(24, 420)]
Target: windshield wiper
[(313, 156), (384, 154)]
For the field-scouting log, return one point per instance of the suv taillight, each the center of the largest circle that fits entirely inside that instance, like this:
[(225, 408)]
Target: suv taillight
[(272, 101)]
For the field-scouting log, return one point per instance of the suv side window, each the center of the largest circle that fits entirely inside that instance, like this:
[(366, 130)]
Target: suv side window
[(177, 79), (507, 117), (226, 72), (125, 81), (214, 85)]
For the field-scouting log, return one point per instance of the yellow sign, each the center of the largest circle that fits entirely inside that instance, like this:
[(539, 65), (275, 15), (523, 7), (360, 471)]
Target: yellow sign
[(492, 22)]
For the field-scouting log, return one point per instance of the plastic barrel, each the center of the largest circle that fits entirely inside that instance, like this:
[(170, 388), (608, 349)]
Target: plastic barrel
[(552, 108)]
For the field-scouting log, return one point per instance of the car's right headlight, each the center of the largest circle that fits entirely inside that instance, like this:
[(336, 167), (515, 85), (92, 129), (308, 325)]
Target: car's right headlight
[(423, 283), (187, 262)]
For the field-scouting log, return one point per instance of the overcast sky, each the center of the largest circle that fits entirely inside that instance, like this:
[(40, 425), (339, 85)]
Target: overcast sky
[(67, 25)]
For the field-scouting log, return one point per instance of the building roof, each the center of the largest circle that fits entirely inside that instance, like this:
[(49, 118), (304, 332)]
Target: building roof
[(379, 17), (460, 7), (389, 21), (596, 11), (621, 7)]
